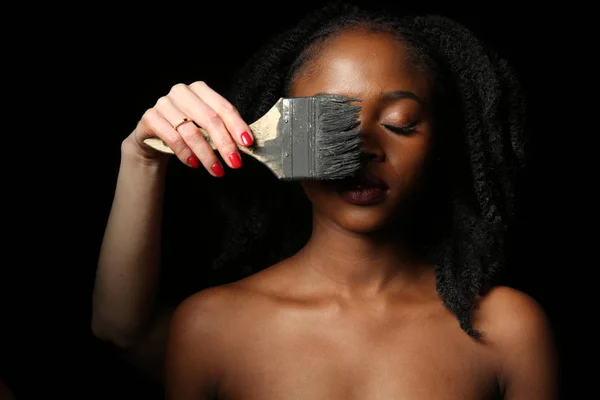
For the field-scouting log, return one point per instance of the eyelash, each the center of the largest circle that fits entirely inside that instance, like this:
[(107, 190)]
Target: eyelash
[(403, 130)]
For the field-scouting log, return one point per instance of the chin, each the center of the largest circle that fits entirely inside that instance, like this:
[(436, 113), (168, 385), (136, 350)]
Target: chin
[(351, 215), (361, 221)]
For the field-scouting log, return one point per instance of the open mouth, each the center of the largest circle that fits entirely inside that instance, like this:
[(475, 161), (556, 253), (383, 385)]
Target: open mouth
[(365, 189)]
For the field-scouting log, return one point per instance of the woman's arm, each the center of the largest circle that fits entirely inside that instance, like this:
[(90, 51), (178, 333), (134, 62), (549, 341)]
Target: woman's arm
[(125, 311)]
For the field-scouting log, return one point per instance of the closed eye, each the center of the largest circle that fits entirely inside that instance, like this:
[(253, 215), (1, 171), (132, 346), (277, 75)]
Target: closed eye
[(403, 130)]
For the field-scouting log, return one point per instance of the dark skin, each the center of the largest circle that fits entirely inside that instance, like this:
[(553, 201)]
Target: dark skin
[(355, 315)]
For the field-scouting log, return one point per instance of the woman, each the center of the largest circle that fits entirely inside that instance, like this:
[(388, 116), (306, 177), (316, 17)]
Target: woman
[(390, 294)]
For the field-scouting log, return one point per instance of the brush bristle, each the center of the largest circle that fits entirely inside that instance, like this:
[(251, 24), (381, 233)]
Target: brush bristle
[(338, 140)]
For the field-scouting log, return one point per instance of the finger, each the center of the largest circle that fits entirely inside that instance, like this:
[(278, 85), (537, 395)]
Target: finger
[(191, 135), (190, 104), (230, 116), (153, 124)]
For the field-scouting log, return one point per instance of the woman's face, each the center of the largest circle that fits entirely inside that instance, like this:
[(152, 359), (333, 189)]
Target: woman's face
[(395, 122)]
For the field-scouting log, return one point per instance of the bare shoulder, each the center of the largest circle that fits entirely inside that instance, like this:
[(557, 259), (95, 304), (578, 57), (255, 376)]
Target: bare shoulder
[(208, 301), (509, 315), (203, 334), (518, 330), (196, 321), (218, 313), (210, 310)]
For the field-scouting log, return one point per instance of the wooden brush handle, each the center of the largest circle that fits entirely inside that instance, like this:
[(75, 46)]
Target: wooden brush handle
[(263, 130), (158, 144)]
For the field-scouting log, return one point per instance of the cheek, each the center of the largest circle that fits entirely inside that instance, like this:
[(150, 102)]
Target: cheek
[(314, 190), (322, 196), (411, 157)]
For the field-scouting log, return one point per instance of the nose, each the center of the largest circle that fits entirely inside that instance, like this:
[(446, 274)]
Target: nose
[(372, 149)]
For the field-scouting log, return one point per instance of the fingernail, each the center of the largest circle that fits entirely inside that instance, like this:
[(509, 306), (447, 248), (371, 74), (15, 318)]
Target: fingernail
[(247, 139), (193, 162), (217, 169), (235, 160)]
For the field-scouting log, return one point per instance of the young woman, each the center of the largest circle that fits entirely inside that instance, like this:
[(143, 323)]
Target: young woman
[(389, 293)]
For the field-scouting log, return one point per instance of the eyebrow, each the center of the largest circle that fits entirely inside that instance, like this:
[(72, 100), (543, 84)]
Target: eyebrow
[(395, 95), (402, 94)]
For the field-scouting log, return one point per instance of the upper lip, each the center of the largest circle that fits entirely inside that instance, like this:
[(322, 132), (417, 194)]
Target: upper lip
[(370, 179), (366, 178)]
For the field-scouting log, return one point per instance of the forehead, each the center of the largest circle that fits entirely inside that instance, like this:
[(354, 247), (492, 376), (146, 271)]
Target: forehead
[(360, 63)]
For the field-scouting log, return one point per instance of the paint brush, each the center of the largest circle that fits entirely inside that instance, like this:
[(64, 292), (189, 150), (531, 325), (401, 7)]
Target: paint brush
[(313, 137)]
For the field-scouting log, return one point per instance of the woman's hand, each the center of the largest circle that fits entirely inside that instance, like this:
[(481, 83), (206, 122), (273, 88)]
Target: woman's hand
[(200, 105)]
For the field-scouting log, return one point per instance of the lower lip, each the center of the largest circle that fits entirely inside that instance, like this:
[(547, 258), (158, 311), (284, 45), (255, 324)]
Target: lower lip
[(364, 196)]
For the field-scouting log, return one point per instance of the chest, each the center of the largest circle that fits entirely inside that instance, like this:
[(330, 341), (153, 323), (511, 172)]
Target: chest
[(396, 359)]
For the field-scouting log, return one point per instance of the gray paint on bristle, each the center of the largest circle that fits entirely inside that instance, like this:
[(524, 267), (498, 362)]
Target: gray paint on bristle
[(338, 140)]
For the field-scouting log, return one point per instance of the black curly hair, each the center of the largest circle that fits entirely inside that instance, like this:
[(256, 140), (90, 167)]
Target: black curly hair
[(479, 110)]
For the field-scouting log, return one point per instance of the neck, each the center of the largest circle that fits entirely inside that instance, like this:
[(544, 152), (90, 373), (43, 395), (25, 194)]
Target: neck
[(360, 262)]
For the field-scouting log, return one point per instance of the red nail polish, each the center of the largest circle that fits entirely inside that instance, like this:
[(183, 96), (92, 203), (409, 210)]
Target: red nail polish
[(194, 162), (217, 169), (235, 159), (247, 139)]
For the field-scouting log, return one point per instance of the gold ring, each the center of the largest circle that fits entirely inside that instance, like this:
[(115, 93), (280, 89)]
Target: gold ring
[(181, 122)]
